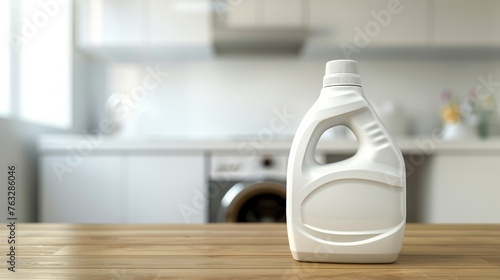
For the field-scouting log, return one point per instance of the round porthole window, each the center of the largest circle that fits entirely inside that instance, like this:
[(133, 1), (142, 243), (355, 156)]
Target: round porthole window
[(263, 208), (260, 202)]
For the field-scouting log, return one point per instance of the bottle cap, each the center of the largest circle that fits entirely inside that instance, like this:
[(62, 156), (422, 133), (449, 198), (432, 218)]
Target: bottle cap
[(341, 72)]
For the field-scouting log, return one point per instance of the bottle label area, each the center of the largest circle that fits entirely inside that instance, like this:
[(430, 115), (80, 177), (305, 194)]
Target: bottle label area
[(353, 206)]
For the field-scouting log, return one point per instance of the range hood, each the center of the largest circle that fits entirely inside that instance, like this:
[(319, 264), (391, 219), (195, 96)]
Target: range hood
[(242, 40), (282, 40)]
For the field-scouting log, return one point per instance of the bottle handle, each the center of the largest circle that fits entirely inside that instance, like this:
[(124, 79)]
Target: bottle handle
[(314, 133), (369, 131)]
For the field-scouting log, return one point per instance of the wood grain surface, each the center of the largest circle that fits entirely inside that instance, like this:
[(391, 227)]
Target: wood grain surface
[(235, 251)]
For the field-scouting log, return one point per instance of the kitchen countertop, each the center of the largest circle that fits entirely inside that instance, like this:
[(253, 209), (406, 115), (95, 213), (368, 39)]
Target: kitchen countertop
[(57, 143), (237, 251)]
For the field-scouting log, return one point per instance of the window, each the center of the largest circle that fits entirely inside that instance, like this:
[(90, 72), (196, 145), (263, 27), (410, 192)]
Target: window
[(39, 48), (4, 58)]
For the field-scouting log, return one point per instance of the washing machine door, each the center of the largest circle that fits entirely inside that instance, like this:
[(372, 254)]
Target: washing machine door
[(254, 202)]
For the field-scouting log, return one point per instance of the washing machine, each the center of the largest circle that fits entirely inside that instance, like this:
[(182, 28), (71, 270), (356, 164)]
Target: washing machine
[(248, 189)]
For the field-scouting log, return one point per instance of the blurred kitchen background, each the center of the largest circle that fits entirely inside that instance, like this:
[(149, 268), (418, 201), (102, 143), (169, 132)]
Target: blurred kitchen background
[(117, 111)]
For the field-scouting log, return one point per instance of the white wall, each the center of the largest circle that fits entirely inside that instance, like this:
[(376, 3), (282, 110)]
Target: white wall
[(238, 96)]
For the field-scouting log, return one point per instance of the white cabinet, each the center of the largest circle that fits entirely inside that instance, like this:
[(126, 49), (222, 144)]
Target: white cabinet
[(122, 22), (237, 13), (166, 189), (461, 189), (179, 22), (401, 22), (261, 13), (133, 188), (338, 19), (111, 22), (146, 23), (373, 22), (282, 12), (466, 22), (81, 190), (353, 25)]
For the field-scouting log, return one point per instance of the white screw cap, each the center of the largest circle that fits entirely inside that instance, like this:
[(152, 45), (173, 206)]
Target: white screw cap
[(341, 72)]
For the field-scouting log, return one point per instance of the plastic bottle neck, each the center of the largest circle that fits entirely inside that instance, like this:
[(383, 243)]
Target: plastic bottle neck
[(341, 85), (341, 90)]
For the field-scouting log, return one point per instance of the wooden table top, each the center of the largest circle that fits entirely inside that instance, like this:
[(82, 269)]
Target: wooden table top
[(242, 251)]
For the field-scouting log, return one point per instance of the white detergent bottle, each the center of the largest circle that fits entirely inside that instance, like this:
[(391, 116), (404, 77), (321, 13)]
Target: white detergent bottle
[(351, 211)]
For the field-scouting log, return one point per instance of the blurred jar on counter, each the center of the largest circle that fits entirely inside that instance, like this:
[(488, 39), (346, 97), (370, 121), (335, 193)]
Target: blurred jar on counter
[(467, 119)]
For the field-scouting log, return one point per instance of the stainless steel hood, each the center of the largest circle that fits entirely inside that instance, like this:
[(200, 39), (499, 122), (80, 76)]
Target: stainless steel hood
[(229, 39), (283, 40)]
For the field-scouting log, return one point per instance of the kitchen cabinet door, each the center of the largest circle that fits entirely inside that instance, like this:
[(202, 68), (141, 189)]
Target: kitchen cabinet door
[(261, 13), (123, 22), (465, 22), (404, 24), (180, 22), (370, 23), (81, 189), (278, 13), (337, 19), (111, 22), (166, 189), (151, 29), (237, 13), (461, 189)]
